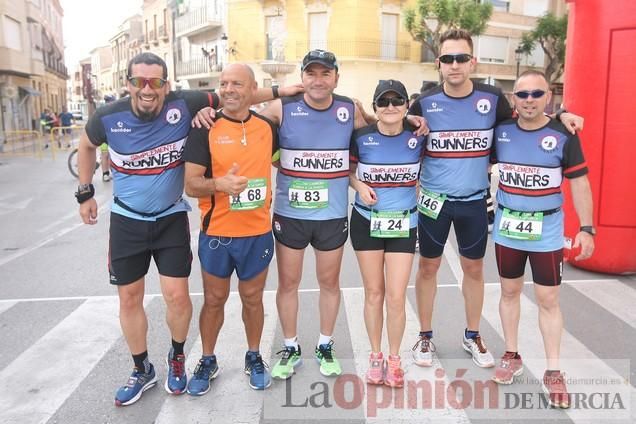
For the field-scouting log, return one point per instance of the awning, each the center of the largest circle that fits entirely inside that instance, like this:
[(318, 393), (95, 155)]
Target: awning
[(30, 91)]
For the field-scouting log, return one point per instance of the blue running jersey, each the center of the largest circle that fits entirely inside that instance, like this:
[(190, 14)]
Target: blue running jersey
[(145, 156), (313, 176), (390, 164), (458, 145), (531, 165)]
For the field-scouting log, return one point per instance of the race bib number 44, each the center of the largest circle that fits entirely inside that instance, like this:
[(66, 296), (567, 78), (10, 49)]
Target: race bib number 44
[(521, 225), (392, 224), (252, 197), (309, 194), (429, 203)]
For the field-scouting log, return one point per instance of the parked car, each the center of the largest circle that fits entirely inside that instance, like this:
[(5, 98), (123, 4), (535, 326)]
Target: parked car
[(77, 115)]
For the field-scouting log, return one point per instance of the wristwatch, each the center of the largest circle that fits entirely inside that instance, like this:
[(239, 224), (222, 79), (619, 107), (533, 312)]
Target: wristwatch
[(588, 229), (84, 192)]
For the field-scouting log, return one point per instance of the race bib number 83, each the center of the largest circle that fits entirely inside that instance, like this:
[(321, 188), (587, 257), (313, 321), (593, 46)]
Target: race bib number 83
[(309, 194)]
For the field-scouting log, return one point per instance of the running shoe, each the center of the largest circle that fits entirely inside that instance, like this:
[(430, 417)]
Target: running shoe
[(137, 384), (329, 365), (475, 346), (257, 370), (285, 367), (423, 352), (177, 380), (554, 387), (394, 373), (375, 373), (205, 371), (106, 177), (509, 368)]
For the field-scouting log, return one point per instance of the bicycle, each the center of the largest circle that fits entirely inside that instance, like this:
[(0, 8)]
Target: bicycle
[(72, 162)]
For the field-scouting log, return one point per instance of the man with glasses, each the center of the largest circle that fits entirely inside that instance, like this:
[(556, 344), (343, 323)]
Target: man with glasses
[(461, 116), (534, 152), (146, 132)]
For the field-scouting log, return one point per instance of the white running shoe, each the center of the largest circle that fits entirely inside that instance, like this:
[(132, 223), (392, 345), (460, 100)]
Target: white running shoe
[(477, 348)]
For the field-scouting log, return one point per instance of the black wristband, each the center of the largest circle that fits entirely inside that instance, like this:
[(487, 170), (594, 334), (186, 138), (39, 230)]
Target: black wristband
[(588, 229), (560, 112), (84, 192), (275, 91)]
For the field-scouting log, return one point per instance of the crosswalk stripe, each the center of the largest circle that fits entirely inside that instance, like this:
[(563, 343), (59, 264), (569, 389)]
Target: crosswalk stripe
[(49, 371), (413, 374), (613, 296), (576, 359), (6, 306), (230, 397)]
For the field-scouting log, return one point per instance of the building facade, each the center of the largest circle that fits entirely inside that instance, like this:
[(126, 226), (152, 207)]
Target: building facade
[(32, 70), (127, 41)]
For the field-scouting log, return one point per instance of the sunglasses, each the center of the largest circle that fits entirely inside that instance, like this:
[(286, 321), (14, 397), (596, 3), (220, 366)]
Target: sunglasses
[(459, 58), (154, 83), (385, 101), (320, 55), (535, 94)]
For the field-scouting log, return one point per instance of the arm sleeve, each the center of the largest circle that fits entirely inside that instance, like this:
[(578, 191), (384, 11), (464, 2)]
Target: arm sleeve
[(197, 100), (197, 149), (573, 162), (274, 138), (95, 130)]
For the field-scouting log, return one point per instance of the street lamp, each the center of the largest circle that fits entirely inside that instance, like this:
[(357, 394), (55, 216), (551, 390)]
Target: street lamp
[(518, 54)]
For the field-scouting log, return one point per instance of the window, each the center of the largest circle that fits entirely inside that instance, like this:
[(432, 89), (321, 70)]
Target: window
[(318, 31), (389, 36), (12, 33), (535, 7), (498, 5), (492, 49)]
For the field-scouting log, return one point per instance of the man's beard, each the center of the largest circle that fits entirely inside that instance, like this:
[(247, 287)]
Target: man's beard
[(146, 116)]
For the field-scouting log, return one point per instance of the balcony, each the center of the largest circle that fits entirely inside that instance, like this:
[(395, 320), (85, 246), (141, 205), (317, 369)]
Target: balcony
[(197, 21), (198, 68), (359, 49)]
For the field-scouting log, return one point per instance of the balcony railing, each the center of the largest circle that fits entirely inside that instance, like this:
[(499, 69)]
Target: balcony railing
[(197, 67), (163, 34), (197, 20), (358, 49)]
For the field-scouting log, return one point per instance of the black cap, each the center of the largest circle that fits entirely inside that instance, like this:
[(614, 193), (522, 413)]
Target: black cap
[(386, 86), (324, 58)]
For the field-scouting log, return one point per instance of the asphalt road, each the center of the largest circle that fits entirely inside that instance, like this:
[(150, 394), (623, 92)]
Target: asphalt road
[(62, 355)]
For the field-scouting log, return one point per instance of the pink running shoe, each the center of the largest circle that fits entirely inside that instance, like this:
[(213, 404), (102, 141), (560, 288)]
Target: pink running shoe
[(394, 373), (509, 368), (375, 373)]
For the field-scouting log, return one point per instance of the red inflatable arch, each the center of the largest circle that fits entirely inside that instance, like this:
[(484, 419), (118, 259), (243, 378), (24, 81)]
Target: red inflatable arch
[(600, 84)]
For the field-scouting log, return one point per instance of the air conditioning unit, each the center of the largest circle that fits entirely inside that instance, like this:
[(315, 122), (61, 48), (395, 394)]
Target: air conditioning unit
[(9, 91)]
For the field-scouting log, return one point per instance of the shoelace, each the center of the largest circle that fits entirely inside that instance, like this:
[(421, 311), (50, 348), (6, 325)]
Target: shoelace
[(132, 381), (506, 360), (178, 367), (258, 365), (480, 344), (557, 383), (327, 351), (199, 370), (427, 345), (393, 367), (287, 352)]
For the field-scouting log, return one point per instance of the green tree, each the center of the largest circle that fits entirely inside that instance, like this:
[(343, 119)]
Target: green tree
[(428, 20), (550, 34)]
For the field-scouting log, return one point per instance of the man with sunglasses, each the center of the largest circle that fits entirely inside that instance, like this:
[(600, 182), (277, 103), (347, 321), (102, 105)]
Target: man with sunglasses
[(146, 132), (534, 153), (461, 116)]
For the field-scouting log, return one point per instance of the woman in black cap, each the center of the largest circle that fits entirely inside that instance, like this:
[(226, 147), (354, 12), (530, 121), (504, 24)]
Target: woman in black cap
[(385, 164)]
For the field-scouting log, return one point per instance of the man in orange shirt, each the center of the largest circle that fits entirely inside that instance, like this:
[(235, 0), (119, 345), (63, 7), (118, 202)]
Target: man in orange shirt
[(229, 169)]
